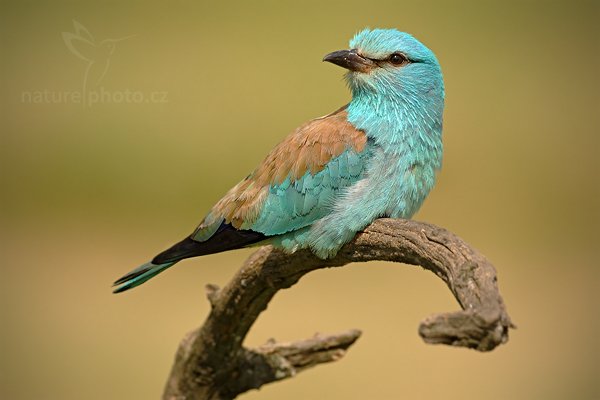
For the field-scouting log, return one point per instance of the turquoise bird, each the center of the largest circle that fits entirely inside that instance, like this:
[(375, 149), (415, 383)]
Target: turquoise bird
[(375, 157)]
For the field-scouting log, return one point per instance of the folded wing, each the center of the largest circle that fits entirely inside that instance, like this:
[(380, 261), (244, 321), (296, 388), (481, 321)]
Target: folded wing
[(297, 182)]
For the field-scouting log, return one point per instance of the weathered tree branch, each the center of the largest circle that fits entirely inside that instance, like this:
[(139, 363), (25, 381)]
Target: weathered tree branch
[(211, 362)]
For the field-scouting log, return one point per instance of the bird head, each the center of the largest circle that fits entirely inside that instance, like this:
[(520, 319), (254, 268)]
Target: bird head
[(389, 62)]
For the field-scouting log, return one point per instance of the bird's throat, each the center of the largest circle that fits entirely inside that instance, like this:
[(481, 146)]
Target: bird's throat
[(399, 119)]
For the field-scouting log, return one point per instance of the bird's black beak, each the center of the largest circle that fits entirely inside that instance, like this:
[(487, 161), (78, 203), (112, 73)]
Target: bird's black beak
[(350, 60)]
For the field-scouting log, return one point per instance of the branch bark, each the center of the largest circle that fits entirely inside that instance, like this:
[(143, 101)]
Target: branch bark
[(211, 362)]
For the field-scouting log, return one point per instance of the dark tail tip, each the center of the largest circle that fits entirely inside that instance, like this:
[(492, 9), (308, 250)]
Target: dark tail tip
[(225, 238)]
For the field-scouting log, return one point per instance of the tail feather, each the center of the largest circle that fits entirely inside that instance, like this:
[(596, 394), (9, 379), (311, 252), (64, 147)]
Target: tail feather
[(140, 275), (224, 238)]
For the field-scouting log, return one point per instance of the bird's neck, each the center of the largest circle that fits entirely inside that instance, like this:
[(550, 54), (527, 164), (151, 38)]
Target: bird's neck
[(400, 121)]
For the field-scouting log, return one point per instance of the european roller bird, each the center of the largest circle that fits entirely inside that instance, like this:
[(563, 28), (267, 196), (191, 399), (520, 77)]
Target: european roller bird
[(375, 157)]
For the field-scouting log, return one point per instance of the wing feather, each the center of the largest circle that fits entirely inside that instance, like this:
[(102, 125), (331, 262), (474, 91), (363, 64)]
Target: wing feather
[(295, 183)]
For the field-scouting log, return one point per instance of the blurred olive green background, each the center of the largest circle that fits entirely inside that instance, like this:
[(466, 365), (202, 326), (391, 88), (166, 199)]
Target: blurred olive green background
[(89, 192)]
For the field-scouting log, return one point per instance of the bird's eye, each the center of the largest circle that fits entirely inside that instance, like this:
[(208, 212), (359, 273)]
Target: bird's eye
[(398, 59)]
